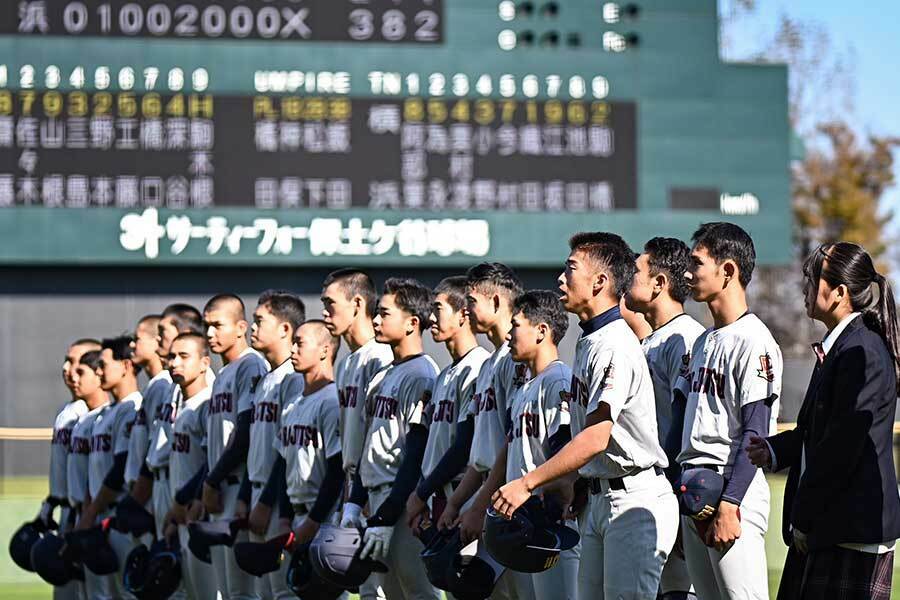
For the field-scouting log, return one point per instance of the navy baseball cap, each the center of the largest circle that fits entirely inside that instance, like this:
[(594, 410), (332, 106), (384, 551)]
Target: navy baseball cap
[(91, 547), (529, 542), (259, 558), (133, 518), (52, 564), (699, 490)]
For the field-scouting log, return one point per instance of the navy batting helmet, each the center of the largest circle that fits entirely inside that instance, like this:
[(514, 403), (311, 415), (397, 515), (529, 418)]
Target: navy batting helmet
[(91, 547), (334, 554), (259, 558), (23, 540), (153, 573), (459, 571), (133, 518), (303, 580), (52, 564), (529, 542)]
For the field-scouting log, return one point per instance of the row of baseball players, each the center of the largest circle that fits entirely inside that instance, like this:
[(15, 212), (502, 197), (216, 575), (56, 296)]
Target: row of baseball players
[(283, 437)]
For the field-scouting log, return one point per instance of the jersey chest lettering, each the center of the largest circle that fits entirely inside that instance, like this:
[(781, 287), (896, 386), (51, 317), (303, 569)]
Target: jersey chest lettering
[(527, 424), (579, 391), (81, 445), (101, 442), (300, 435), (62, 437), (443, 412), (486, 401), (347, 396), (264, 412), (165, 412), (181, 442), (221, 403), (384, 407), (708, 381), (140, 418)]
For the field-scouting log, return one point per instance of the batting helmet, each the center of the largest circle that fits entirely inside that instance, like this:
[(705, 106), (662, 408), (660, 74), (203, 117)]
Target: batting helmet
[(529, 542), (153, 573), (303, 580), (466, 575), (203, 535), (91, 547), (334, 554), (23, 540), (52, 564), (259, 558), (133, 518)]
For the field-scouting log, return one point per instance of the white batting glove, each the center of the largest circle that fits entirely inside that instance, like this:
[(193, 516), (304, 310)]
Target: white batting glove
[(352, 515), (377, 542)]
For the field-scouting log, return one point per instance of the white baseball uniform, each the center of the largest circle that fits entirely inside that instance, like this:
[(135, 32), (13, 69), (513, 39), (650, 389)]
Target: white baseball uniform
[(277, 387), (232, 394), (450, 405), (631, 521), (395, 401), (668, 352), (139, 438), (352, 376), (109, 436), (60, 446), (537, 411), (188, 456), (166, 398), (730, 367)]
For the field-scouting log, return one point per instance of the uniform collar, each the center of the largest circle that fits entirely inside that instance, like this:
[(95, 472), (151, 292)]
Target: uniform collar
[(835, 333), (605, 318)]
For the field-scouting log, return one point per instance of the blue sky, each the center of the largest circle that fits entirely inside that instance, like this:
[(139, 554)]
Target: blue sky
[(870, 29)]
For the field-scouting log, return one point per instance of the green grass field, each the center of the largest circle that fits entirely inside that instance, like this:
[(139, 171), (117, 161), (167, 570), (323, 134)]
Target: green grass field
[(20, 499)]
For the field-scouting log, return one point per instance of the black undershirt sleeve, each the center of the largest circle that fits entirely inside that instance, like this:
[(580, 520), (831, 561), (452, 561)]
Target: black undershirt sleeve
[(407, 476), (115, 478), (330, 490), (234, 454), (452, 463)]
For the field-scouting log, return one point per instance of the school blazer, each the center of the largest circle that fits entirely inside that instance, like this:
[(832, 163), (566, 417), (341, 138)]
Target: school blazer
[(848, 491)]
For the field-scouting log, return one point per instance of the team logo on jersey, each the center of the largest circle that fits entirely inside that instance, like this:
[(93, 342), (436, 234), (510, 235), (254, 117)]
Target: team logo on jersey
[(766, 368), (520, 375), (565, 397), (685, 365), (254, 381), (609, 373)]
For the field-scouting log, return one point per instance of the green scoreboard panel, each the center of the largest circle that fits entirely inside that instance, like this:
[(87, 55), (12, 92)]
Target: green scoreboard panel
[(426, 132)]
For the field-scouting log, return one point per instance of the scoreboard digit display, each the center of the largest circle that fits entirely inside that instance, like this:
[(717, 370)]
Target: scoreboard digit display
[(295, 131)]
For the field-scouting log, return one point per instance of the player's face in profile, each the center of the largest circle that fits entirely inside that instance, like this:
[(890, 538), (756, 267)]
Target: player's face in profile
[(69, 363), (186, 363), (265, 332), (523, 338), (111, 371), (306, 353), (87, 381), (480, 307), (391, 322), (338, 310), (706, 277), (222, 330), (166, 332), (146, 343), (576, 282), (641, 293), (445, 322)]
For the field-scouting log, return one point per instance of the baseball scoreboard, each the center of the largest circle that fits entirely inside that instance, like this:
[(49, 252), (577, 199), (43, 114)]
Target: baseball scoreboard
[(432, 132)]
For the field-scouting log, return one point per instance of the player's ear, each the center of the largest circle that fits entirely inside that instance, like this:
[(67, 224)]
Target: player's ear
[(543, 332), (412, 324), (730, 269), (242, 327), (359, 304), (205, 362), (599, 281), (660, 283)]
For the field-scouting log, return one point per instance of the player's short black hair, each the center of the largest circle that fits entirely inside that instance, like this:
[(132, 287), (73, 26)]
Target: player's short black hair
[(672, 258), (185, 317), (325, 336), (542, 306), (726, 241), (455, 290), (491, 277), (155, 319), (286, 306), (202, 343), (85, 342), (90, 359), (122, 346), (412, 297), (610, 253), (355, 282)]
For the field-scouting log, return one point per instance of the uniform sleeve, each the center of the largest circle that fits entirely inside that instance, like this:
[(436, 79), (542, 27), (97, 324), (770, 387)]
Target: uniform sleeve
[(758, 373), (138, 443), (201, 424), (124, 422), (678, 358), (248, 376), (330, 427), (610, 380), (556, 405), (417, 396), (466, 391)]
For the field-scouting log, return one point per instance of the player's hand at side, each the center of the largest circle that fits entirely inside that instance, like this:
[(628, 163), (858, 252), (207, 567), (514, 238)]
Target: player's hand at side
[(759, 454), (561, 493), (510, 497), (306, 531), (377, 542), (725, 528), (471, 524), (800, 541), (448, 517), (241, 510), (194, 511), (212, 499), (88, 517), (351, 515), (259, 518), (416, 510), (178, 513)]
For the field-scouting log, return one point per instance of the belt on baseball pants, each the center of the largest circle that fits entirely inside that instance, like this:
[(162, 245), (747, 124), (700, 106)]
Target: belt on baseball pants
[(617, 483), (160, 473), (720, 469)]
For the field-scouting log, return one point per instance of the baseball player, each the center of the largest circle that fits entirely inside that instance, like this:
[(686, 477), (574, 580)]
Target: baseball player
[(109, 445), (188, 362), (631, 521), (146, 357), (395, 440), (450, 423), (60, 447), (277, 316), (309, 439), (658, 292), (349, 299), (228, 428), (728, 395), (87, 387)]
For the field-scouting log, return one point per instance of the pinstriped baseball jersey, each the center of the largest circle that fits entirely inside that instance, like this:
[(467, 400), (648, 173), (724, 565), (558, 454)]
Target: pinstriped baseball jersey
[(453, 391), (109, 437), (352, 377), (189, 439), (395, 400), (61, 443), (610, 367), (267, 404), (309, 435), (139, 441), (497, 381), (730, 367), (668, 352), (538, 409), (232, 394), (79, 453)]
